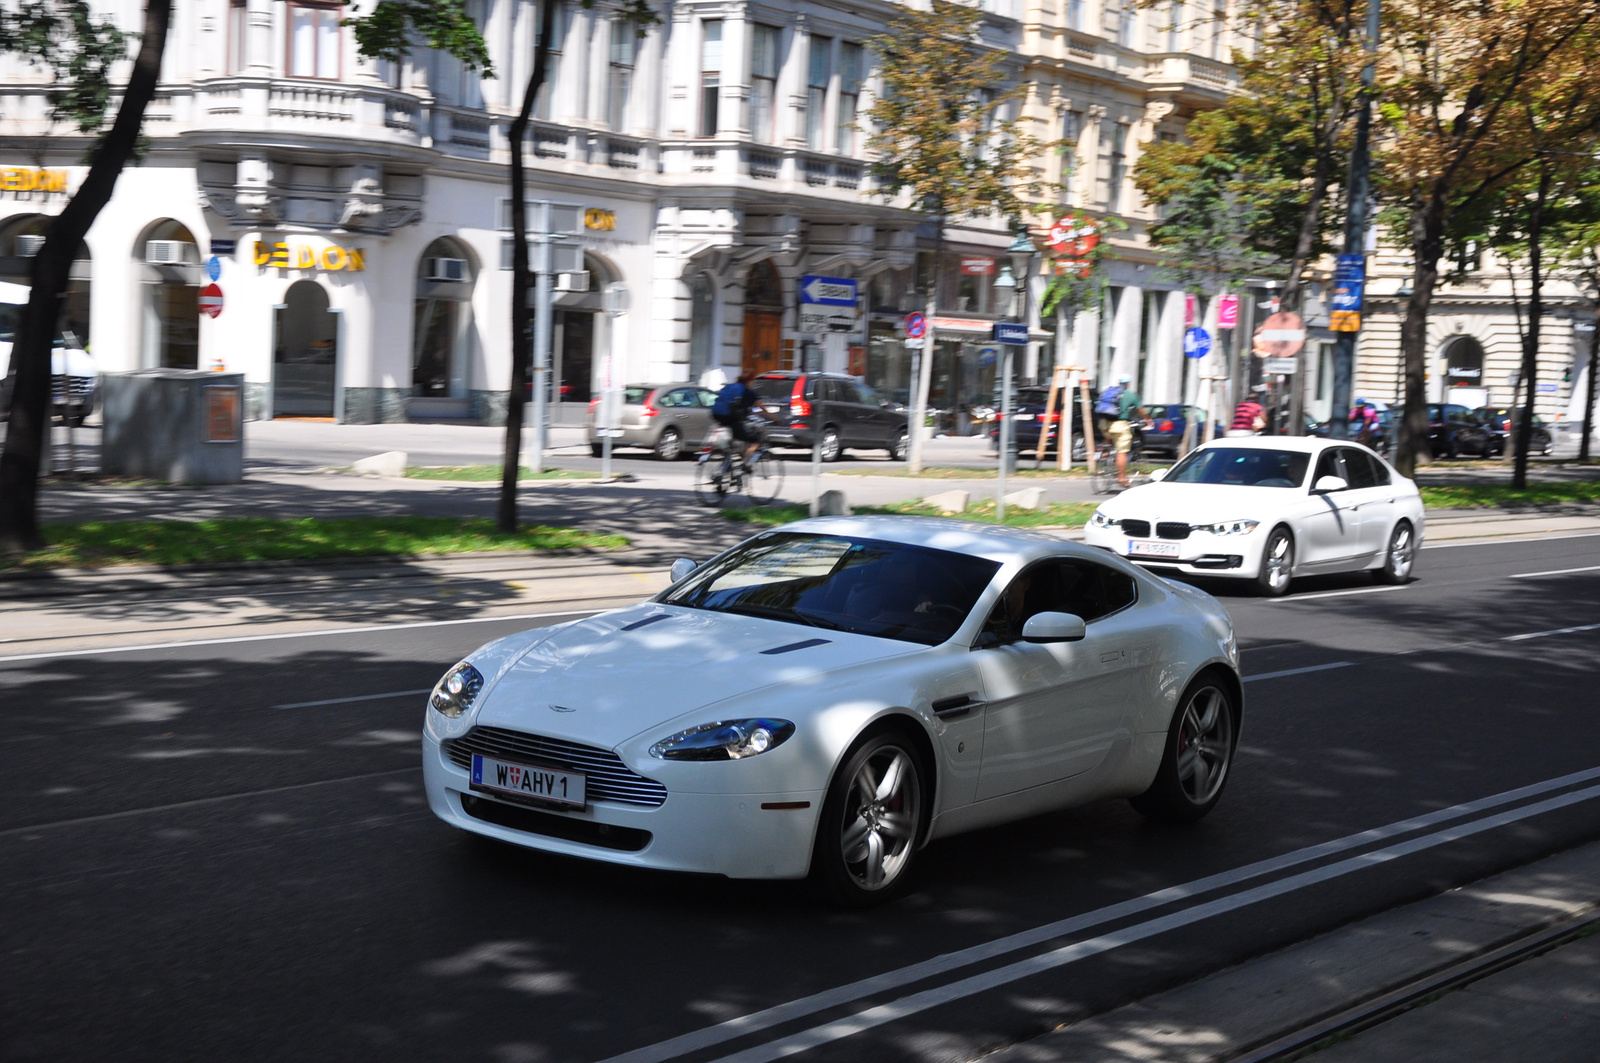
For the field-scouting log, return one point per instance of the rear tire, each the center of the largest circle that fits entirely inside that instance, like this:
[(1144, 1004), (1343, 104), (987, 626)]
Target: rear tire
[(1277, 564), (669, 445), (1201, 743), (871, 823), (897, 446), (597, 449), (831, 450), (1401, 556)]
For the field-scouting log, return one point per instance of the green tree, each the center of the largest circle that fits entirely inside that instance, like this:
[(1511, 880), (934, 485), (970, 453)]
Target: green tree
[(942, 138)]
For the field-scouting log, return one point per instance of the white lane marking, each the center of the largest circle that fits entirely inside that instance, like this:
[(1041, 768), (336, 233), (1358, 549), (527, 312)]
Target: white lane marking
[(1048, 961), (1298, 671), (199, 801), (1554, 631), (845, 994), (364, 629), (358, 697), (1554, 572), (1290, 599)]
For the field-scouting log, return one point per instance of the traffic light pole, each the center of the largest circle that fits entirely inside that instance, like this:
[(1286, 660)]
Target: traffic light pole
[(1355, 226)]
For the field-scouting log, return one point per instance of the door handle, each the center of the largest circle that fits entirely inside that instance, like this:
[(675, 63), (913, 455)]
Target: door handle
[(1113, 656), (960, 705)]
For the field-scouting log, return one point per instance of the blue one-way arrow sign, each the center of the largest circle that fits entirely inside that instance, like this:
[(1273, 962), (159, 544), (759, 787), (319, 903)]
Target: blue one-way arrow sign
[(828, 291)]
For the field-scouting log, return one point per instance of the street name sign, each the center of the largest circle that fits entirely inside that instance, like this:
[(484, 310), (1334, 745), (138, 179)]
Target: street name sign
[(1011, 333), (1282, 366)]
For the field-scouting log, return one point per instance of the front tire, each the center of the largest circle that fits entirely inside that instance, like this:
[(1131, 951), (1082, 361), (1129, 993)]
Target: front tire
[(1401, 557), (831, 450), (1201, 743), (1277, 564), (669, 445), (897, 446), (872, 820)]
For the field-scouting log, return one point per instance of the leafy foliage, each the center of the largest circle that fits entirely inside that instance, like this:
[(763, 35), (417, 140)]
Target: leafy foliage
[(394, 26), (1081, 289)]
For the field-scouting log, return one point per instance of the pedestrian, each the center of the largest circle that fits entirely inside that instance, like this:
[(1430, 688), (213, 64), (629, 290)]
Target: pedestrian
[(1249, 417)]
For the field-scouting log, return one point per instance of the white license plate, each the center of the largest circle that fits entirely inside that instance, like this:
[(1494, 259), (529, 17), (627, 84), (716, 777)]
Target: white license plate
[(1143, 549), (770, 409), (528, 780)]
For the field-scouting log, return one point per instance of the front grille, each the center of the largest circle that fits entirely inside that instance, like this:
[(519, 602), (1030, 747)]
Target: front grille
[(607, 778), (1172, 529), (1139, 529), (623, 839)]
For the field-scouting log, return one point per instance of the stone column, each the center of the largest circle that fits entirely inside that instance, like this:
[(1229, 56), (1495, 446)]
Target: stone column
[(735, 114)]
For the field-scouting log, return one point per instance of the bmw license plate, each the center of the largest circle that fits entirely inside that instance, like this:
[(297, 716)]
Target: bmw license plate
[(1143, 549), (550, 785)]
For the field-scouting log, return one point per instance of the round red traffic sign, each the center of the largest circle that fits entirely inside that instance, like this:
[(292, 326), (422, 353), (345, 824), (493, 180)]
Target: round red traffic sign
[(211, 300), (916, 326)]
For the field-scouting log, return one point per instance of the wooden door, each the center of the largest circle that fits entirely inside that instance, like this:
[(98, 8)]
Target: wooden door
[(762, 329)]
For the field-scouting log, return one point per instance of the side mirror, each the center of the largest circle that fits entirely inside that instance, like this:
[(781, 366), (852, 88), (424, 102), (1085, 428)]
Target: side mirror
[(681, 568), (1157, 474), (1329, 484), (1053, 627)]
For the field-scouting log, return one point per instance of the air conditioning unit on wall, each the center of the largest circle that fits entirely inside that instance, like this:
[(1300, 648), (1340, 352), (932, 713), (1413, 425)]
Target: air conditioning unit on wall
[(445, 269), (168, 252), (577, 281)]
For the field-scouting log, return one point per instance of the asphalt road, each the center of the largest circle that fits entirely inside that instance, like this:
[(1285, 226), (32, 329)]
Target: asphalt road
[(222, 852)]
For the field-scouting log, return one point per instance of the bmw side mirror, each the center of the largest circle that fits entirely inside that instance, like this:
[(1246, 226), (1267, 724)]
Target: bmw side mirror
[(1053, 627), (681, 568), (1329, 484), (1157, 474)]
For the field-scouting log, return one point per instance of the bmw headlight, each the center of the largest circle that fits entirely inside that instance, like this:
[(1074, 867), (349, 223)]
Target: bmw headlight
[(1229, 527), (454, 693), (1100, 520), (729, 740)]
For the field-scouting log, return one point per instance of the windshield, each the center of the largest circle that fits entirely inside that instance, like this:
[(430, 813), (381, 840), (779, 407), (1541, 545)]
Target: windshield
[(863, 586), (1242, 467)]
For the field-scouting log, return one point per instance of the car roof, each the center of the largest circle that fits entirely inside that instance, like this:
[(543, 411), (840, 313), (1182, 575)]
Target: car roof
[(990, 541), (1307, 444)]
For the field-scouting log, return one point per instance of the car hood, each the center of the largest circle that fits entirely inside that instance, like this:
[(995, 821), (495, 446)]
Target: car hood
[(597, 682), (1200, 503)]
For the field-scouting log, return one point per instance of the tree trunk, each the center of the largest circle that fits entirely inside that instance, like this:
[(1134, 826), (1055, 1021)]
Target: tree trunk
[(1530, 338), (30, 357), (1589, 388), (1427, 244), (521, 342)]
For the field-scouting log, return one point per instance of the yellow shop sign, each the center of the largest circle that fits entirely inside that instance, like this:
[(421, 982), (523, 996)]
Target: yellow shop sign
[(18, 179), (332, 259)]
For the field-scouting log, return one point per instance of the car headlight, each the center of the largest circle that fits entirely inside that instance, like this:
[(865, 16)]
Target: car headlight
[(454, 693), (1229, 527), (1100, 520), (728, 740)]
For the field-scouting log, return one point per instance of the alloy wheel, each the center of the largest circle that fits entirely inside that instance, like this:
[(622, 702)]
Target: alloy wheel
[(669, 445), (1402, 553), (1278, 562), (1205, 745), (830, 445), (881, 815)]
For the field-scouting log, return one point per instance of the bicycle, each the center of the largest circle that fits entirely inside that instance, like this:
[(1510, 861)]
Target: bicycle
[(1105, 467), (720, 472)]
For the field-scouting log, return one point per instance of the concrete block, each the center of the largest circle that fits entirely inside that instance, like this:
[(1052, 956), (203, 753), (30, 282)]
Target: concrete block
[(948, 501), (832, 504), (389, 463), (1027, 498), (176, 425)]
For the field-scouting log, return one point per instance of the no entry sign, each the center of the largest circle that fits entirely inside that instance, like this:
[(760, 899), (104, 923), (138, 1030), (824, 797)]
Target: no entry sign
[(211, 300)]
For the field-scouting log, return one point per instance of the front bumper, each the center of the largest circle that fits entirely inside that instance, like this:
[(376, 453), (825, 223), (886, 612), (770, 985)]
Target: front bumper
[(724, 834), (1201, 554)]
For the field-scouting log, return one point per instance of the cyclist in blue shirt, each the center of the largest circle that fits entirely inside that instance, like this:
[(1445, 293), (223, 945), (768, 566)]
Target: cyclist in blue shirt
[(732, 410)]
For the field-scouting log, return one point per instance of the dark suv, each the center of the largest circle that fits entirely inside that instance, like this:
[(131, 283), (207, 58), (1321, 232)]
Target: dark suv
[(1498, 420), (849, 414), (1454, 430)]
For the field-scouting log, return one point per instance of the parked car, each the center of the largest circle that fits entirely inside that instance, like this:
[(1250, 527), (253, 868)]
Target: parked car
[(1167, 424), (1381, 438), (1268, 509), (1028, 419), (1454, 430), (1497, 419), (670, 419), (74, 379), (826, 698), (849, 413)]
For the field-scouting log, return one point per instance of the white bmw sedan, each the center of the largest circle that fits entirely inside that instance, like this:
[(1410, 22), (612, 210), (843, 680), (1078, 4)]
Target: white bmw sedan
[(826, 698), (1269, 509)]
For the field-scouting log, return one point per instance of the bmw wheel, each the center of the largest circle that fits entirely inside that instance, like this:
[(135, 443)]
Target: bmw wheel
[(1199, 752), (1402, 555), (1277, 564), (871, 823), (669, 445)]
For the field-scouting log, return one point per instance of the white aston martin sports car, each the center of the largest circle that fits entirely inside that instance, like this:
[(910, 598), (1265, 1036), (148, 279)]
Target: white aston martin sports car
[(825, 698), (1269, 509)]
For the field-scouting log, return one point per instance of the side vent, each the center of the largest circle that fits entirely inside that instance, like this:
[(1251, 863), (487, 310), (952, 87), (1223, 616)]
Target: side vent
[(791, 647), (646, 622)]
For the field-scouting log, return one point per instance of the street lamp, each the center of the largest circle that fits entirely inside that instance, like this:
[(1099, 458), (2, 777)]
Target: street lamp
[(1013, 278)]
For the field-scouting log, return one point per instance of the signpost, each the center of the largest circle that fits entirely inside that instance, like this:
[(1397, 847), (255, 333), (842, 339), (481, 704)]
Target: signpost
[(211, 300), (616, 304), (1196, 343), (827, 304)]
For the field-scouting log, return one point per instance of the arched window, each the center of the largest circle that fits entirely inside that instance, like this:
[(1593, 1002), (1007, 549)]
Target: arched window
[(169, 274), (702, 310), (764, 289), (442, 322), (1463, 363)]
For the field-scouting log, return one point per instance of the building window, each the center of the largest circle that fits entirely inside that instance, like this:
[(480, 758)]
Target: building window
[(850, 75), (710, 75), (624, 50), (764, 83), (1075, 14), (1127, 14), (1114, 152), (1175, 26), (238, 37), (313, 41), (702, 325), (820, 70), (543, 105), (1071, 131)]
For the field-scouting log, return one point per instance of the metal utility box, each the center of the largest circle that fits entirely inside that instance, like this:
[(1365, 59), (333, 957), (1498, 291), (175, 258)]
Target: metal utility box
[(175, 425)]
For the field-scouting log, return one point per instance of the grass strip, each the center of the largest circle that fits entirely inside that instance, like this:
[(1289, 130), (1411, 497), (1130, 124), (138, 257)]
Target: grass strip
[(1461, 496), (1069, 514), (150, 542), (491, 473)]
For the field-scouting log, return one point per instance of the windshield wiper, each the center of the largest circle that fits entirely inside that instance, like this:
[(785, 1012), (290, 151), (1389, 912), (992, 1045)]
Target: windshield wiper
[(767, 613)]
